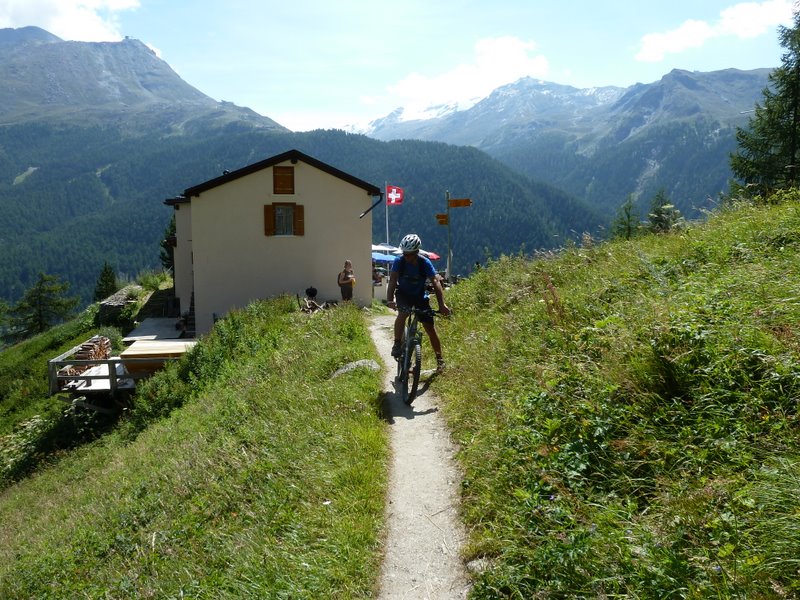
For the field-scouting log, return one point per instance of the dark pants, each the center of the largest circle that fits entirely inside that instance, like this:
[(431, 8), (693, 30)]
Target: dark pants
[(406, 302)]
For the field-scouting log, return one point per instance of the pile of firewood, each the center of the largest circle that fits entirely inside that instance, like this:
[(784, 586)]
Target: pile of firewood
[(96, 348)]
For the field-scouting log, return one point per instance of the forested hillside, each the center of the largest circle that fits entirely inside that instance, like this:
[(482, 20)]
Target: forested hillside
[(687, 159), (74, 197), (95, 137)]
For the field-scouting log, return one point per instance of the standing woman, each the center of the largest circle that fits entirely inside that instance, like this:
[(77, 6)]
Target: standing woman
[(347, 280)]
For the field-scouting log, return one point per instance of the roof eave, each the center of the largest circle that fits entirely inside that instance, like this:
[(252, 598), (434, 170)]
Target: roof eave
[(291, 155), (176, 200)]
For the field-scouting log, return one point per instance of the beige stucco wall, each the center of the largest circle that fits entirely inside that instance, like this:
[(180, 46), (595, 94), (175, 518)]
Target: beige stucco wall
[(234, 263), (183, 255)]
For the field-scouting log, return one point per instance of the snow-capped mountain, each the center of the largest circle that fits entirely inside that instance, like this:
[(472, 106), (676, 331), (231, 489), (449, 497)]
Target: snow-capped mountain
[(605, 143)]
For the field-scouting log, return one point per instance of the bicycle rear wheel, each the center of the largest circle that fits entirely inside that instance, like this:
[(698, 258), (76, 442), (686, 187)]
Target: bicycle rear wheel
[(415, 368)]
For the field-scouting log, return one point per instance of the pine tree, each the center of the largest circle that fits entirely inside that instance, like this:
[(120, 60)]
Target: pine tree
[(167, 254), (42, 306), (106, 284), (3, 320), (627, 220), (663, 215), (766, 158)]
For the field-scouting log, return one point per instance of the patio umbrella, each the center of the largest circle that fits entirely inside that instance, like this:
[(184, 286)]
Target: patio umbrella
[(427, 253), (386, 248), (380, 257)]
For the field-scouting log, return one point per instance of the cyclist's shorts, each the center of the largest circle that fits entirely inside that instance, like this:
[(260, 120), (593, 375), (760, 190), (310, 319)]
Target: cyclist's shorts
[(404, 302)]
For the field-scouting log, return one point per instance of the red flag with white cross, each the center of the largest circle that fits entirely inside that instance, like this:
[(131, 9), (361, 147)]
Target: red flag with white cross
[(394, 195)]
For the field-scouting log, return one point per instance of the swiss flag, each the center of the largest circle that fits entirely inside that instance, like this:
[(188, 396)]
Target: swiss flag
[(394, 195)]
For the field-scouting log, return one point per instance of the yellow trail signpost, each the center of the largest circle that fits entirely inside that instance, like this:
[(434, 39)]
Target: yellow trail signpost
[(444, 219)]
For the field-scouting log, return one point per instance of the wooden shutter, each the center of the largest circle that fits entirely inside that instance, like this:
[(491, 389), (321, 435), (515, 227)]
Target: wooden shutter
[(283, 180), (299, 220), (269, 219)]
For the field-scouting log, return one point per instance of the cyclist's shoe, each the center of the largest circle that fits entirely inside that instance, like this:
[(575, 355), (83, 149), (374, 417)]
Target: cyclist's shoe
[(440, 366), (397, 350)]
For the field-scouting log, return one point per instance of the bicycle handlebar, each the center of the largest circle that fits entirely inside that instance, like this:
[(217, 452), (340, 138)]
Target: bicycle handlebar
[(426, 312), (418, 310)]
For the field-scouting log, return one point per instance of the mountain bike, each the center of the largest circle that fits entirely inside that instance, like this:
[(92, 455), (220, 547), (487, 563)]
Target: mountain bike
[(409, 363)]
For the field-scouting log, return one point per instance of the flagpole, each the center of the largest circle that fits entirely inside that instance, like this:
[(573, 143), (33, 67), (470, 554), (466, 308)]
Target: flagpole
[(449, 253), (386, 208)]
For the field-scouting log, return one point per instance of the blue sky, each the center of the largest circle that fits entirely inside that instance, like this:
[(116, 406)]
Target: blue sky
[(320, 63)]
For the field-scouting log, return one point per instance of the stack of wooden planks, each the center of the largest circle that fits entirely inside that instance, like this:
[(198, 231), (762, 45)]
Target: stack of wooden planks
[(147, 356)]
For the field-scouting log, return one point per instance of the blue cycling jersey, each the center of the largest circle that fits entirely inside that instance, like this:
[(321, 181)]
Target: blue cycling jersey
[(412, 277)]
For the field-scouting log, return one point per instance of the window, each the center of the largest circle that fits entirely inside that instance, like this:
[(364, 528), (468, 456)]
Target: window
[(284, 218), (283, 180)]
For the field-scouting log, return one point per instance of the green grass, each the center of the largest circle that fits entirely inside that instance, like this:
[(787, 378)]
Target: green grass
[(245, 471), (34, 427), (23, 370), (627, 414)]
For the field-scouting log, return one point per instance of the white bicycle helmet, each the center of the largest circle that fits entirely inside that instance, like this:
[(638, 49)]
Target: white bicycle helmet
[(410, 243)]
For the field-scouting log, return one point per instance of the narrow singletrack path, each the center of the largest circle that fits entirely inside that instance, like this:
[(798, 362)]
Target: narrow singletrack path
[(425, 535)]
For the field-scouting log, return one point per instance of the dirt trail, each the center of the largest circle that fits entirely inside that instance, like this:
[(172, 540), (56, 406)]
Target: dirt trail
[(425, 535)]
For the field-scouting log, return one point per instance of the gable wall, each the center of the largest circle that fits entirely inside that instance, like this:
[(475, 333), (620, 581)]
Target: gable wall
[(236, 263)]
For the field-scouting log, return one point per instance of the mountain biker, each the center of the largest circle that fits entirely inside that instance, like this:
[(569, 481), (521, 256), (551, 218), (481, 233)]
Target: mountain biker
[(406, 289)]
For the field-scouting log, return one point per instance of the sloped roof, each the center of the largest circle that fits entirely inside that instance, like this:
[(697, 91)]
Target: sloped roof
[(293, 155)]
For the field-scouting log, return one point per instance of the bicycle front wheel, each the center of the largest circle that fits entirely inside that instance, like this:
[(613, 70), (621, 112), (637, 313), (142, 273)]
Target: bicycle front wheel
[(402, 374), (415, 368)]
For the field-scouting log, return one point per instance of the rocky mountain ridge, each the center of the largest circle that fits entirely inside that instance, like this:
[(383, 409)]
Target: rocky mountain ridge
[(44, 76), (525, 101), (724, 95)]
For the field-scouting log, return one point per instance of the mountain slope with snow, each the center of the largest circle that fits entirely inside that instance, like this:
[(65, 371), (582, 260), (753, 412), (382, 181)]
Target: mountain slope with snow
[(603, 144)]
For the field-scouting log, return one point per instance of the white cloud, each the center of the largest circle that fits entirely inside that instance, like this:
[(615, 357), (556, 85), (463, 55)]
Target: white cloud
[(496, 62), (752, 19), (744, 20), (82, 20), (691, 34)]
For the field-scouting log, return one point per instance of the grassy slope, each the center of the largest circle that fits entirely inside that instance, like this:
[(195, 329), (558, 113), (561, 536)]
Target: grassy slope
[(23, 372), (627, 417), (268, 481), (627, 414)]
